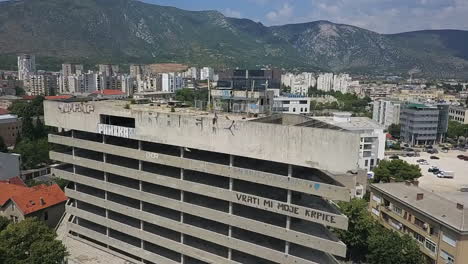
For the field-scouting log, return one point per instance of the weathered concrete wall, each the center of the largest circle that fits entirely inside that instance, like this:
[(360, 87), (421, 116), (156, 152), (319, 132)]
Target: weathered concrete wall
[(334, 151), (9, 166)]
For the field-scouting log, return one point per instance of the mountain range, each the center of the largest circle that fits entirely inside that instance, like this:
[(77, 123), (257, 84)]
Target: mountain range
[(129, 31)]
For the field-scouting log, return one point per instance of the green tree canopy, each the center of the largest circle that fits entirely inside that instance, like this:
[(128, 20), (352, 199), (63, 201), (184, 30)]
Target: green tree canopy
[(394, 130), (3, 146), (190, 95), (34, 153), (388, 247), (359, 228), (3, 223), (457, 130), (31, 241), (400, 170)]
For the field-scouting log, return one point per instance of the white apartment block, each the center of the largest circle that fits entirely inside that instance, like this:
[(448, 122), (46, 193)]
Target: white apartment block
[(299, 83), (325, 82), (386, 112), (372, 146), (458, 114), (207, 73), (341, 83), (26, 66), (171, 82), (291, 105)]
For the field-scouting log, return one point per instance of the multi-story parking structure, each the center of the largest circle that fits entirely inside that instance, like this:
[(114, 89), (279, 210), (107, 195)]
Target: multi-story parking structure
[(157, 185)]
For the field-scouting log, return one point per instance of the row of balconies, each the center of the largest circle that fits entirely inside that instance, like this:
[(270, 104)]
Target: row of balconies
[(261, 246), (302, 179)]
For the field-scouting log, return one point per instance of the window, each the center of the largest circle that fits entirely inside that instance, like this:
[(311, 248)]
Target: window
[(12, 206), (294, 109), (397, 209), (46, 216), (366, 163), (419, 238), (449, 240), (431, 246), (375, 211), (446, 256), (376, 199)]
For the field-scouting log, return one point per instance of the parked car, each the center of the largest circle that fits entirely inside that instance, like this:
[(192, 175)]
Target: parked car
[(446, 174), (434, 157), (394, 157), (462, 157), (434, 169)]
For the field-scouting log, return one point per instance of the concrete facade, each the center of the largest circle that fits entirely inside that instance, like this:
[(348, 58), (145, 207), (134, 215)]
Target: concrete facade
[(192, 187), (424, 124), (458, 114), (436, 223), (386, 112), (10, 128), (291, 105)]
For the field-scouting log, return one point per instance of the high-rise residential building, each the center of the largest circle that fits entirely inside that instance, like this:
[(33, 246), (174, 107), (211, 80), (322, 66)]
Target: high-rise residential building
[(299, 83), (155, 185), (206, 73), (26, 66), (386, 112), (68, 69), (341, 83), (458, 114), (423, 124), (136, 69), (436, 221), (325, 82), (41, 84), (372, 146), (171, 82), (108, 69)]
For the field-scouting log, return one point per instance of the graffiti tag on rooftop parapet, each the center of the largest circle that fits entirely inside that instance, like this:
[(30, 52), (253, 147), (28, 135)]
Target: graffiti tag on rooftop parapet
[(76, 107)]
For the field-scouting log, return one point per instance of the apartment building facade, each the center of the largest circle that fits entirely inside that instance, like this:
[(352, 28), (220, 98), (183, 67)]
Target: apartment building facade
[(154, 185), (386, 112), (458, 114), (435, 222)]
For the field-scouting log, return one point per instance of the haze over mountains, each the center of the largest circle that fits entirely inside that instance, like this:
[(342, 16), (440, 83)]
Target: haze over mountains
[(129, 31)]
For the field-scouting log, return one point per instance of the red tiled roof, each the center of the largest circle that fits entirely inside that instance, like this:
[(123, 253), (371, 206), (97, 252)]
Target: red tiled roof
[(28, 97), (32, 199), (109, 92), (4, 111), (58, 97), (7, 190), (15, 180)]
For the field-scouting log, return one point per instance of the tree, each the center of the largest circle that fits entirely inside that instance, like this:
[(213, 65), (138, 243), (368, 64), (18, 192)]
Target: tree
[(359, 228), (388, 247), (4, 222), (40, 130), (34, 153), (3, 146), (400, 170), (19, 91), (394, 130), (456, 130), (31, 241), (28, 130)]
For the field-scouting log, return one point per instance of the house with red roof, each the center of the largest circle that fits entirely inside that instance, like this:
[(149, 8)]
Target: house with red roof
[(46, 203)]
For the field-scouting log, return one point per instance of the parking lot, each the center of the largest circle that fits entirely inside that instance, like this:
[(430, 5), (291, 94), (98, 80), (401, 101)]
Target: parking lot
[(448, 162)]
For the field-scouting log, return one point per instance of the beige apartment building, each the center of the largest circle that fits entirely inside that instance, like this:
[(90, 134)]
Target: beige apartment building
[(155, 185), (458, 114), (436, 222)]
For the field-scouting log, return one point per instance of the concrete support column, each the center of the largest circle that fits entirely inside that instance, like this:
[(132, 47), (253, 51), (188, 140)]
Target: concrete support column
[(231, 185), (182, 200), (288, 218)]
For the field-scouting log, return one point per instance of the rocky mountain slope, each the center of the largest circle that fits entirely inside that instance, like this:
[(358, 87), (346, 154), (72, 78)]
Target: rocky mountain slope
[(125, 31)]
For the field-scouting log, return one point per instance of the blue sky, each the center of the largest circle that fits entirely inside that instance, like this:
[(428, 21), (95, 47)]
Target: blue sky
[(384, 16)]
